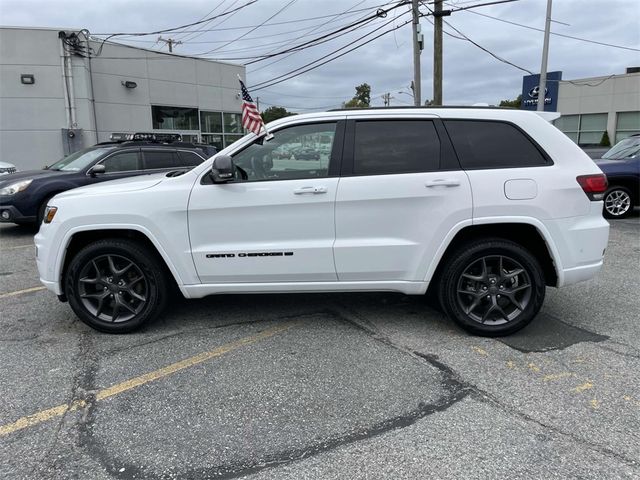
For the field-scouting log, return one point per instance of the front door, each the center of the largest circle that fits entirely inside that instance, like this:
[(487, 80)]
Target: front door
[(277, 223)]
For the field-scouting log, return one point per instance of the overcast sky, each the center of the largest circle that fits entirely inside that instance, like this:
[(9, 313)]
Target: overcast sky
[(470, 74)]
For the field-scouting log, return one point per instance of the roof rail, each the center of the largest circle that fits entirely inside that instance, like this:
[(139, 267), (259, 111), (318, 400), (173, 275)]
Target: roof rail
[(408, 107)]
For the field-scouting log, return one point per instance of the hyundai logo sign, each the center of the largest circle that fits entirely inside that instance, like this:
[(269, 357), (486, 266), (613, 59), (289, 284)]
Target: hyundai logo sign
[(533, 93)]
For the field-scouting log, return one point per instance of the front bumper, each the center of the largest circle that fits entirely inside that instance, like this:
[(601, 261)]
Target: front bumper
[(10, 214)]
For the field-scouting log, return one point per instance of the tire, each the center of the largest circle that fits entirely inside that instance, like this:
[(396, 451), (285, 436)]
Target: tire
[(489, 298), (116, 285), (617, 202)]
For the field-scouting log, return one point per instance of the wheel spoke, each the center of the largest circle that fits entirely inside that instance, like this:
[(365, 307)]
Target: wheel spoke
[(137, 296), (473, 306), (112, 266), (115, 313), (122, 271), (124, 304)]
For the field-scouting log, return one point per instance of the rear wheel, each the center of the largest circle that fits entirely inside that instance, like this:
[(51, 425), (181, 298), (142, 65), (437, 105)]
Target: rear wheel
[(617, 202), (116, 285), (492, 287)]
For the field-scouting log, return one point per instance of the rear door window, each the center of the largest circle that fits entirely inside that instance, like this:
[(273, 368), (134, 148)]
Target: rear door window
[(395, 146), (154, 159), (490, 144)]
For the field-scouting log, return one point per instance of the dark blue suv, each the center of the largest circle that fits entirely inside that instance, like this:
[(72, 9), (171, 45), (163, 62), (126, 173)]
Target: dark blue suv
[(24, 195), (621, 164)]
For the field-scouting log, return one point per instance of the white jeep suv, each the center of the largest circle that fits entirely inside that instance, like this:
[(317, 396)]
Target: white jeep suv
[(482, 207)]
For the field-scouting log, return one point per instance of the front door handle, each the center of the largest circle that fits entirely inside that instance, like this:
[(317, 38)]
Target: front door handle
[(314, 190), (443, 182)]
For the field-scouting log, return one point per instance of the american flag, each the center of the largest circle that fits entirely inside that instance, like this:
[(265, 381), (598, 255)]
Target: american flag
[(251, 119)]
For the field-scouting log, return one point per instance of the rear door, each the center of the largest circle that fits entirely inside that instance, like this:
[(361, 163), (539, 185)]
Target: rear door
[(401, 191)]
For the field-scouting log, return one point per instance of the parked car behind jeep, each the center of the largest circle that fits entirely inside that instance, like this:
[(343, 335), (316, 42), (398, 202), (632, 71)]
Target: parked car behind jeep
[(24, 195)]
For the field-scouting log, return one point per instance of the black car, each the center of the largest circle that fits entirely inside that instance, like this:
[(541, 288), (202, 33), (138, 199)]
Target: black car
[(306, 154), (621, 164), (24, 195)]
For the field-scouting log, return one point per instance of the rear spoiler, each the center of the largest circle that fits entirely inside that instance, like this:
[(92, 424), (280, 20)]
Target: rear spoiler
[(549, 116)]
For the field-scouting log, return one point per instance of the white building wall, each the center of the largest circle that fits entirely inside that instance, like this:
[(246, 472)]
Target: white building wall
[(32, 116), (607, 94)]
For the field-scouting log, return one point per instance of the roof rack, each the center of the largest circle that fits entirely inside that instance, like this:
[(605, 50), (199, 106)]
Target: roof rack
[(146, 137)]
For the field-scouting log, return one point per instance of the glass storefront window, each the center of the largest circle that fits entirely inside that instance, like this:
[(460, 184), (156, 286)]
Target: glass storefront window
[(627, 124), (232, 123), (211, 122), (215, 140), (229, 139), (174, 118)]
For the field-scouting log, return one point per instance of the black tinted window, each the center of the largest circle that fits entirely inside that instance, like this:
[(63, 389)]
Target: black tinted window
[(395, 146), (160, 159), (482, 144), (121, 162), (189, 159)]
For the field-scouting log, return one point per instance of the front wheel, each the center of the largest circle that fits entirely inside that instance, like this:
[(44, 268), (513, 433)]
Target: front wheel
[(492, 287), (115, 285), (617, 202)]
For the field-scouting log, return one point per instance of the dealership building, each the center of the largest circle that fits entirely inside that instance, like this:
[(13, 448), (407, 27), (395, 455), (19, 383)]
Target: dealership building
[(590, 106), (61, 91)]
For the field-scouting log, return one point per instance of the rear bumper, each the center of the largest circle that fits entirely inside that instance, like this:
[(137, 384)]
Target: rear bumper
[(580, 243)]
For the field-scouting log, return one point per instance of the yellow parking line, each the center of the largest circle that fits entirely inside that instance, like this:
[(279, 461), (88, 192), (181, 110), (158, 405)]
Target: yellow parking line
[(20, 292), (60, 410)]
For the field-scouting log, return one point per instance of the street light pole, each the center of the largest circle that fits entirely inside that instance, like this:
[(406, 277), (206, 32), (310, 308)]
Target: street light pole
[(542, 84)]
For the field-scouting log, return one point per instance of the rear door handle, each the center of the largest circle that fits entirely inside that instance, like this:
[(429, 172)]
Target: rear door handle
[(314, 190), (443, 182)]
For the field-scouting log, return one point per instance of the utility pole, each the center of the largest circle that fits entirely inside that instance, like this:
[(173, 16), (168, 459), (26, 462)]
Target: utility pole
[(417, 49), (542, 84), (169, 41), (258, 103), (386, 97), (437, 52)]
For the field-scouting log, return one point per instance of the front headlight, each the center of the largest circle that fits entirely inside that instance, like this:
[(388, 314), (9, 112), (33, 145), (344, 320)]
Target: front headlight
[(15, 187)]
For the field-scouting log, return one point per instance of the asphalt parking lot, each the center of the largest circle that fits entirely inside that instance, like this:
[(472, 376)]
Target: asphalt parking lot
[(362, 386)]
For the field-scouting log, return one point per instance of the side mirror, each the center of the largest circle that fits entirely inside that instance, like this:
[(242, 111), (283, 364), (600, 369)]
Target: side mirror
[(97, 169), (222, 169)]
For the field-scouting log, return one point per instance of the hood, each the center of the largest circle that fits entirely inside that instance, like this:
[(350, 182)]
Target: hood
[(131, 184), (16, 177)]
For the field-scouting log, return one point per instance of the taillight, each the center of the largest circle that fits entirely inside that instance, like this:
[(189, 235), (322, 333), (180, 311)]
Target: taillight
[(593, 185)]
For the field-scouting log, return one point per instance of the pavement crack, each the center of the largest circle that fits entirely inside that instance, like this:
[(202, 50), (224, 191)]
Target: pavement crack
[(486, 397)]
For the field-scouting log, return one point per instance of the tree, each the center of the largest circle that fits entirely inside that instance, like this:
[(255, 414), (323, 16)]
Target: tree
[(512, 103), (605, 142), (274, 113), (362, 98)]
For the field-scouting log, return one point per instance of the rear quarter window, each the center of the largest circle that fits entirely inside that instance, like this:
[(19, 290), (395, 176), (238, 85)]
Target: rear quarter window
[(493, 144)]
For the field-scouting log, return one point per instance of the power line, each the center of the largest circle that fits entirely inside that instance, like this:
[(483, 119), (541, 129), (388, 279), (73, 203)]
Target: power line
[(167, 30), (291, 2), (286, 22), (201, 18), (307, 33), (555, 33), (289, 75)]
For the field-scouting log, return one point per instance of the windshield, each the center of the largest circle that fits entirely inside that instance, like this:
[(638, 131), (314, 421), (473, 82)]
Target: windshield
[(79, 160), (627, 148)]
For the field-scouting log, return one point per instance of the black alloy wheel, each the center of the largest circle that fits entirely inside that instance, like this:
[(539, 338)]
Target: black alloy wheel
[(492, 287), (116, 285), (113, 288), (617, 202)]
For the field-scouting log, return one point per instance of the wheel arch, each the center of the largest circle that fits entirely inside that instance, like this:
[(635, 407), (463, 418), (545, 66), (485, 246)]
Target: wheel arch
[(523, 232), (79, 239)]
